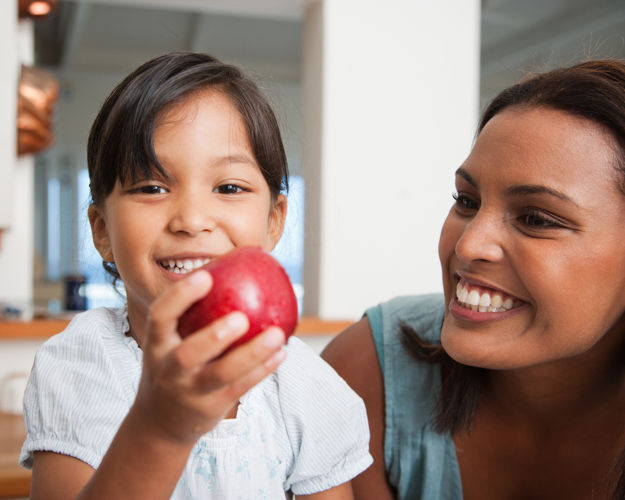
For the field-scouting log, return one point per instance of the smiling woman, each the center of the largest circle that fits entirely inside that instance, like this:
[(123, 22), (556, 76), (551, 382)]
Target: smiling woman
[(512, 383)]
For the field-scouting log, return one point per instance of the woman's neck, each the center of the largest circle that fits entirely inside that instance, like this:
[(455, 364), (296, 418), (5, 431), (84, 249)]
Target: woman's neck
[(567, 388)]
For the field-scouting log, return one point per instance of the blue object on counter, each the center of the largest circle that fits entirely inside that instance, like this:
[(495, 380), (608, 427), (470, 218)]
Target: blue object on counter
[(75, 299)]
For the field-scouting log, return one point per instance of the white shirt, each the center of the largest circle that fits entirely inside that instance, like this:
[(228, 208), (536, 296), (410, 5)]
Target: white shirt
[(302, 429)]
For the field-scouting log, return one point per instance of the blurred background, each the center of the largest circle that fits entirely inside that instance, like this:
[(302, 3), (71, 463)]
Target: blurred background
[(377, 103)]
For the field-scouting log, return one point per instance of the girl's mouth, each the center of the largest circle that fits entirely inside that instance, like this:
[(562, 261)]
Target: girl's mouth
[(482, 299), (183, 266)]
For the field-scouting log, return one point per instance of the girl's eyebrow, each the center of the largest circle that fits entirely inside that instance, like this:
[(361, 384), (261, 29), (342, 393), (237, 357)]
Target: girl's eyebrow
[(237, 158), (522, 190)]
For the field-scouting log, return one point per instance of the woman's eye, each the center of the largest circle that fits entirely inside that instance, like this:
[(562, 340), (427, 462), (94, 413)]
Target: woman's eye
[(229, 189), (536, 219), (464, 203)]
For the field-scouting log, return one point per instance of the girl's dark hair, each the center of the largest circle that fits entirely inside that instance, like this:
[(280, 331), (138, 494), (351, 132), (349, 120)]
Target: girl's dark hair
[(594, 90), (120, 145)]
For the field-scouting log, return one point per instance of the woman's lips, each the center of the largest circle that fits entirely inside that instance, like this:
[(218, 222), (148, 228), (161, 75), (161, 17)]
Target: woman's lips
[(484, 300)]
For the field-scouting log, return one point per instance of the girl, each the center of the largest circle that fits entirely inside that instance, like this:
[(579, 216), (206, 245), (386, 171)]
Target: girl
[(186, 162), (512, 384)]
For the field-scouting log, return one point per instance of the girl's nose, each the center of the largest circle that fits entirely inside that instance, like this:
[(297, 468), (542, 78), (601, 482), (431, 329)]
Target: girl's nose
[(481, 239), (191, 216)]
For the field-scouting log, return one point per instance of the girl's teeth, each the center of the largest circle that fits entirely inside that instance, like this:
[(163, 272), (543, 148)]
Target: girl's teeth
[(482, 301), (183, 266)]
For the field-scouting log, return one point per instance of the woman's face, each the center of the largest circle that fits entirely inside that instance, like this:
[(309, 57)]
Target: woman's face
[(533, 250)]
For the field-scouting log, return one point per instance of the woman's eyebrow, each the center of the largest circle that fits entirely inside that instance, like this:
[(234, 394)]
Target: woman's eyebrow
[(465, 175), (522, 190), (538, 189)]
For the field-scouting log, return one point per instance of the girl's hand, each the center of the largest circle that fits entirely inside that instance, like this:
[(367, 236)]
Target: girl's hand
[(186, 388)]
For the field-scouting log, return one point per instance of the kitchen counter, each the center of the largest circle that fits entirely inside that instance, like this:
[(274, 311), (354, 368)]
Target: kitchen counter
[(44, 328), (14, 479)]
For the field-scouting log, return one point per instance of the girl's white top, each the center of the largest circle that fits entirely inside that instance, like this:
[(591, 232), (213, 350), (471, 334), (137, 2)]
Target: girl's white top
[(302, 429)]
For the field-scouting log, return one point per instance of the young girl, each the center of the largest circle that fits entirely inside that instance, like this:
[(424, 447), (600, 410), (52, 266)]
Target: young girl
[(186, 162), (511, 385)]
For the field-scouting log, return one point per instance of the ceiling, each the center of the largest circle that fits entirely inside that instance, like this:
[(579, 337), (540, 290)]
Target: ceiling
[(112, 36)]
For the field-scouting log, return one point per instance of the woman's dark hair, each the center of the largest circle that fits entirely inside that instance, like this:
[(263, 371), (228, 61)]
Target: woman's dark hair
[(593, 90), (121, 147)]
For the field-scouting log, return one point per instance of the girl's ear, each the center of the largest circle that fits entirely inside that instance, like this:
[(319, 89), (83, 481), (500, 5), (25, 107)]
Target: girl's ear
[(276, 222), (100, 234)]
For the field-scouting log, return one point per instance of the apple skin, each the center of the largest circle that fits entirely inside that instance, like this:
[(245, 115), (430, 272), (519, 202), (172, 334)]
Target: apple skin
[(249, 280)]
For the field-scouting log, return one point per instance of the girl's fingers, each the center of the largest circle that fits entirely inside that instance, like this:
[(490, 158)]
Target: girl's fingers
[(234, 391), (241, 361), (166, 309), (209, 342)]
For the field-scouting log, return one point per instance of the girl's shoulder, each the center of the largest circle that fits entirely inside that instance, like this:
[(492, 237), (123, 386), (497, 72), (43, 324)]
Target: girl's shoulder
[(305, 382), (318, 417), (93, 325)]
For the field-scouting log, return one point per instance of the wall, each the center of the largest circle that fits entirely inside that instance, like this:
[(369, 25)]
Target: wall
[(391, 92), (16, 188)]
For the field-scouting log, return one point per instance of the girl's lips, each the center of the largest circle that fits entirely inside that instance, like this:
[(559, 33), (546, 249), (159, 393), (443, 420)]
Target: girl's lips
[(183, 265)]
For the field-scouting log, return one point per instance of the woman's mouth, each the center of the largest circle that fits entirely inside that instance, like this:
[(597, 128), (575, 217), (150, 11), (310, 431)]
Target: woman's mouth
[(482, 299), (183, 266)]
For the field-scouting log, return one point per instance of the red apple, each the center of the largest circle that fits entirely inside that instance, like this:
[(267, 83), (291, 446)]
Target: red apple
[(249, 280)]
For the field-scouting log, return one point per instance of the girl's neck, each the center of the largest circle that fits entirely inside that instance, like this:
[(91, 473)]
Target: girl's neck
[(137, 319)]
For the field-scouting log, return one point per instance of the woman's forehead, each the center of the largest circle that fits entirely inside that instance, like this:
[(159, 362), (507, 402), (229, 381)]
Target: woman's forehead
[(543, 146)]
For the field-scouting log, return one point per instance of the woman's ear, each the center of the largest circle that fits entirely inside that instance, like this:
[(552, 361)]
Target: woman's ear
[(100, 234), (277, 217)]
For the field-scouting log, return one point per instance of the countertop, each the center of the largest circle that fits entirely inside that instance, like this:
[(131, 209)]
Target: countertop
[(43, 328), (14, 479)]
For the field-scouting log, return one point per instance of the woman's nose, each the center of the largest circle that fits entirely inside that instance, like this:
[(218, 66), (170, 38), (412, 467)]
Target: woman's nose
[(481, 239), (191, 215)]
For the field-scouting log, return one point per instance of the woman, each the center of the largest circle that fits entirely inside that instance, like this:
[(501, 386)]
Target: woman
[(512, 384)]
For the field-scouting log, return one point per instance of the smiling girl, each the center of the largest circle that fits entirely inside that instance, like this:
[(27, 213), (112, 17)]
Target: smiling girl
[(186, 163), (511, 385)]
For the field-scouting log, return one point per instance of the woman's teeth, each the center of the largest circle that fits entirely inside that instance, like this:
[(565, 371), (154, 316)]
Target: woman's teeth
[(183, 266), (483, 301)]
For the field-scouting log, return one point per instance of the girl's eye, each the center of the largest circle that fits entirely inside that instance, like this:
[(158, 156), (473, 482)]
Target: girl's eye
[(229, 189), (151, 189), (536, 219), (464, 203)]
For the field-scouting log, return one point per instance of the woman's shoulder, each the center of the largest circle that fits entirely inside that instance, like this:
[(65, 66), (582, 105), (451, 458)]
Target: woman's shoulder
[(423, 314)]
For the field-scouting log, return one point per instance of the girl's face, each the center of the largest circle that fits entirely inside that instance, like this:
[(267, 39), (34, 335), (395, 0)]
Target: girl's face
[(533, 251), (214, 199)]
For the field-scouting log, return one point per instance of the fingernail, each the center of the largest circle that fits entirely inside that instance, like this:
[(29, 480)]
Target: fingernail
[(237, 321), (197, 277), (274, 338)]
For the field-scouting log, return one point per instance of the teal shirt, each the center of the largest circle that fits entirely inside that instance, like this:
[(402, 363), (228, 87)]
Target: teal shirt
[(420, 463)]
